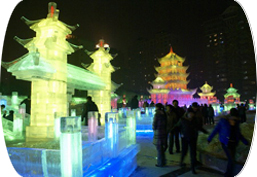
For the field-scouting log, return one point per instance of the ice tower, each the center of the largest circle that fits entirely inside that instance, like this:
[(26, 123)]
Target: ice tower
[(171, 82), (102, 67), (45, 65), (206, 92)]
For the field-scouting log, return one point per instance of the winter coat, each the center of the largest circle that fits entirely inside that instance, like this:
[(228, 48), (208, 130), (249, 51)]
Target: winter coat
[(171, 120), (223, 129), (159, 128)]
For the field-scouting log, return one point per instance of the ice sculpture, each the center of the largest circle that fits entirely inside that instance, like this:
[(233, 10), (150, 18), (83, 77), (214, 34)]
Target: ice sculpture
[(102, 67), (92, 125), (231, 98), (52, 78), (71, 147)]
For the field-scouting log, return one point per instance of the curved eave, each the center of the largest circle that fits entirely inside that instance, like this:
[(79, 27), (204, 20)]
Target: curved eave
[(206, 94), (155, 91)]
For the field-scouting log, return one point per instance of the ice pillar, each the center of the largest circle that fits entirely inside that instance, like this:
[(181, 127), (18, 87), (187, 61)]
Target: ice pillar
[(111, 135), (131, 126), (71, 147), (92, 125)]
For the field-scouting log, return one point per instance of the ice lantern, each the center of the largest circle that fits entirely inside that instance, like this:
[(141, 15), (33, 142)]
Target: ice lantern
[(48, 96)]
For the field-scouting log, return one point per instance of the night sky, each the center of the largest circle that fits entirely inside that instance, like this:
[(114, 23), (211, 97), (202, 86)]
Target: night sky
[(118, 23)]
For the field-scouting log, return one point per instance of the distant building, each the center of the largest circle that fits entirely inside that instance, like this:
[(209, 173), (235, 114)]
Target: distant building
[(229, 53)]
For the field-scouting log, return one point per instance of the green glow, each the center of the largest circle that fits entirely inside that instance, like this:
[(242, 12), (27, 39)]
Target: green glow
[(49, 97), (82, 79), (102, 67)]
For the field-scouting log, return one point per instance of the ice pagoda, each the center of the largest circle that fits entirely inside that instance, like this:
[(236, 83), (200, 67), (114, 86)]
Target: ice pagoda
[(171, 81), (102, 67), (52, 78), (207, 93), (231, 98)]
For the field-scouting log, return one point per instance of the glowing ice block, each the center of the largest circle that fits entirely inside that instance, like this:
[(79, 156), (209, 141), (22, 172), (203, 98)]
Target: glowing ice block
[(111, 136), (71, 147), (92, 125), (131, 126)]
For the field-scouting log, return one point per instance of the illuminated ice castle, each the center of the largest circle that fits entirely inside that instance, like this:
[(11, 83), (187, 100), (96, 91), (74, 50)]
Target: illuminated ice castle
[(171, 82)]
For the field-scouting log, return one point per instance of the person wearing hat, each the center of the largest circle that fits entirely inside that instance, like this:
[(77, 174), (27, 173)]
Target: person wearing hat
[(229, 136)]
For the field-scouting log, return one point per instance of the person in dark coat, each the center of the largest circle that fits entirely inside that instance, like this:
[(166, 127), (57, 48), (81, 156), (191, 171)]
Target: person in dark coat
[(171, 122), (229, 136), (211, 114), (87, 107), (134, 102), (160, 134), (190, 124), (242, 112), (27, 102), (10, 115), (179, 113)]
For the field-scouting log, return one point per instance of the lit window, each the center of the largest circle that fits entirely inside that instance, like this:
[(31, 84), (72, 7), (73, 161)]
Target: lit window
[(210, 40), (246, 77), (215, 39), (208, 45), (215, 35)]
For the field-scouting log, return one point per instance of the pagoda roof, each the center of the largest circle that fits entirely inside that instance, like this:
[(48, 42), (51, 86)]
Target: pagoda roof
[(115, 86), (163, 91), (206, 94), (178, 81), (206, 87), (159, 80), (158, 68), (171, 56), (183, 91), (174, 74)]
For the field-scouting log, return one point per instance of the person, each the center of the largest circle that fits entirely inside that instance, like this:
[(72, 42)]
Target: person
[(229, 136), (179, 113), (87, 107), (151, 104), (190, 125), (171, 121), (242, 112), (211, 114), (3, 112), (160, 134), (134, 102), (10, 115), (205, 114), (27, 102)]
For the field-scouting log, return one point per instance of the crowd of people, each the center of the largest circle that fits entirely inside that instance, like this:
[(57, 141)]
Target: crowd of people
[(174, 125)]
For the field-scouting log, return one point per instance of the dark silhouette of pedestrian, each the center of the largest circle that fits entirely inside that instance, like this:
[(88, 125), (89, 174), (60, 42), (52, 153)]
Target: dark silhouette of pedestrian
[(179, 113), (160, 134), (27, 102), (242, 112), (229, 136), (172, 120), (190, 125), (134, 102), (9, 116), (3, 112), (211, 114), (151, 104), (87, 107)]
